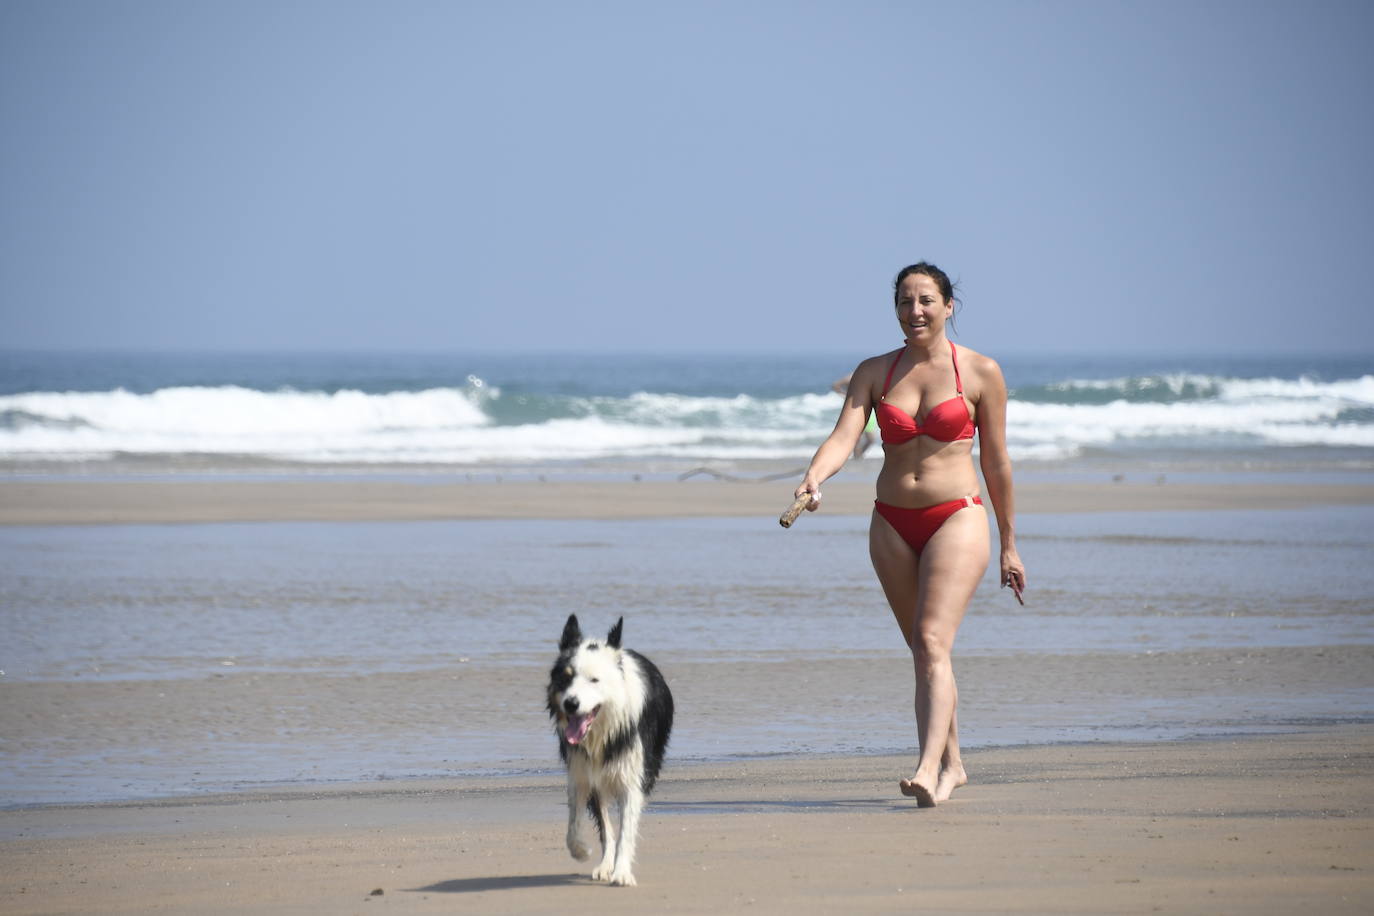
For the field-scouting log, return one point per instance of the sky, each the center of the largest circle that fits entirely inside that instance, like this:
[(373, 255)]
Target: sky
[(1099, 176)]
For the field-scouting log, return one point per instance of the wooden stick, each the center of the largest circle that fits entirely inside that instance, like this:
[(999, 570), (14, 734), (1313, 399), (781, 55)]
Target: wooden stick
[(798, 506)]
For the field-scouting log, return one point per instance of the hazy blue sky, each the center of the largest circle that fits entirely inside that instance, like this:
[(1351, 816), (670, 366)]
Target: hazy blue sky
[(644, 176)]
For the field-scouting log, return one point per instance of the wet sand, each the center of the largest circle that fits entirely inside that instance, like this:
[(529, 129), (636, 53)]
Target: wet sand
[(1255, 824), (64, 502), (88, 738), (1272, 824)]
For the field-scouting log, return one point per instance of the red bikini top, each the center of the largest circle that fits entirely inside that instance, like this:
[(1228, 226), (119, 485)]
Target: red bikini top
[(948, 421)]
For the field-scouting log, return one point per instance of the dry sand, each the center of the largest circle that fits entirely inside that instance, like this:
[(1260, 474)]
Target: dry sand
[(72, 501), (1275, 824)]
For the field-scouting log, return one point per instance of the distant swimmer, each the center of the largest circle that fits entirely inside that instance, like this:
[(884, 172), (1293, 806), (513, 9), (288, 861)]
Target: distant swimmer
[(928, 537)]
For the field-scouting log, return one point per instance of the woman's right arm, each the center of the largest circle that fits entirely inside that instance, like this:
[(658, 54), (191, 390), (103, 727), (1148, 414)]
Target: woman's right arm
[(839, 445)]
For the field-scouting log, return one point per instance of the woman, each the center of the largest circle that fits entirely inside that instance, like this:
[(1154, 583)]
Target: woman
[(928, 538)]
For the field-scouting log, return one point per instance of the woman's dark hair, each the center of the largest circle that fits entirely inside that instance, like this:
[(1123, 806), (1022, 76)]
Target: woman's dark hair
[(930, 270)]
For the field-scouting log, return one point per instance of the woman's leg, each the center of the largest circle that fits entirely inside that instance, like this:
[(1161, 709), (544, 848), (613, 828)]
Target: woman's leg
[(952, 774), (952, 565), (896, 564), (928, 594)]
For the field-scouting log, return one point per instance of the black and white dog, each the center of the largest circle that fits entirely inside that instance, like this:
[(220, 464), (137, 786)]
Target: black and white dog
[(613, 713)]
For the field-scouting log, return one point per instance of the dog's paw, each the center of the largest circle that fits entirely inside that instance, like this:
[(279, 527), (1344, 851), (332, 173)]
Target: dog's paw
[(622, 878), (580, 850)]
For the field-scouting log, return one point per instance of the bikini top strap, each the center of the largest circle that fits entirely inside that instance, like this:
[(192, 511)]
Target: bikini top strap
[(891, 369), (954, 355)]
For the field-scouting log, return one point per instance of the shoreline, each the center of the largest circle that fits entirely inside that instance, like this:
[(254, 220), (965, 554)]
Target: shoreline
[(1254, 824), (116, 502), (480, 782), (356, 727)]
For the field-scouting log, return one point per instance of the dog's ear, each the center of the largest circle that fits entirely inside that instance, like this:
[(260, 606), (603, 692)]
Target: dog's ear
[(572, 634), (613, 639)]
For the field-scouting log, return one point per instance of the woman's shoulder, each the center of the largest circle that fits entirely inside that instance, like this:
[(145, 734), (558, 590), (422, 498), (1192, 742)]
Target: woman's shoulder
[(874, 364), (979, 365)]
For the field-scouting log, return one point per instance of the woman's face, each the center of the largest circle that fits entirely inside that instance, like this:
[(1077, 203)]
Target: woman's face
[(921, 310)]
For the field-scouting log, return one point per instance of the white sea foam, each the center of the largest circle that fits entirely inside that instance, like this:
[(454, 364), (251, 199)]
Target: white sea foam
[(1264, 411), (232, 409), (1178, 383), (475, 424), (227, 420), (1099, 423), (1353, 391), (741, 411), (1358, 391)]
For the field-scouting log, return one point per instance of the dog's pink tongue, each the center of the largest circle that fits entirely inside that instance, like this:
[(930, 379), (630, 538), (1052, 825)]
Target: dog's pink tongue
[(577, 728)]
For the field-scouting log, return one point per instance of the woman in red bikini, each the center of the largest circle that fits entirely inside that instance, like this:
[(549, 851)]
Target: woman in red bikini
[(929, 535)]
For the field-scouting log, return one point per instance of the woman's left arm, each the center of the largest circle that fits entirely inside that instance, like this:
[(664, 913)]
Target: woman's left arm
[(996, 465)]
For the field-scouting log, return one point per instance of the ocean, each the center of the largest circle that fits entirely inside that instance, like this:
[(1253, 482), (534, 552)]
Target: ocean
[(562, 413)]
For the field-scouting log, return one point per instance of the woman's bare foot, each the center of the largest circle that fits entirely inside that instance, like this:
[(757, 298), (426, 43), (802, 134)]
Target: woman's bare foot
[(950, 779), (914, 788)]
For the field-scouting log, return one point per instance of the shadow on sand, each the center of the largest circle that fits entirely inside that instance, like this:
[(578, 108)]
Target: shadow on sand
[(504, 883), (758, 805)]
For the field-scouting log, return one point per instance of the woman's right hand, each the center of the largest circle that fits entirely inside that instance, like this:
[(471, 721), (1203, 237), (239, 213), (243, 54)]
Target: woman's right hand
[(809, 486), (1013, 573)]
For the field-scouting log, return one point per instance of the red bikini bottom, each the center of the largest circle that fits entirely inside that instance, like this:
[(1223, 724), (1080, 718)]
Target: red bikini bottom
[(917, 526)]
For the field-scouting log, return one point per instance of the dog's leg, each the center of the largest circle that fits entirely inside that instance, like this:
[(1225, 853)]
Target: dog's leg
[(631, 807), (578, 791), (603, 871)]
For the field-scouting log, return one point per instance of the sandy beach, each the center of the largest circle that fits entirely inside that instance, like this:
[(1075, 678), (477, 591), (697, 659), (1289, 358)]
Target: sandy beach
[(75, 502), (1271, 812), (1274, 824)]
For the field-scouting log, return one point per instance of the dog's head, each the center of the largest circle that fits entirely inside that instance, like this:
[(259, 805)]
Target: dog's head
[(587, 676)]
